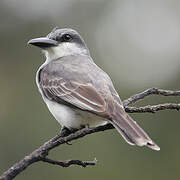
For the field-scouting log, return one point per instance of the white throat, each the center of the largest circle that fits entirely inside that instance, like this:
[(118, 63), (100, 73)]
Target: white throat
[(64, 49)]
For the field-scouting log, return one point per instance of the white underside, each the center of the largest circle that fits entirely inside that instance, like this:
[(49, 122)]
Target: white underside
[(73, 118), (62, 50)]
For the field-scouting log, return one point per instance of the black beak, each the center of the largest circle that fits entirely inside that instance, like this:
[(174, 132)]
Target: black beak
[(43, 42)]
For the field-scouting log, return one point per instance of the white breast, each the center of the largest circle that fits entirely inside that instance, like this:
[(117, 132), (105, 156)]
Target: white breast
[(73, 118)]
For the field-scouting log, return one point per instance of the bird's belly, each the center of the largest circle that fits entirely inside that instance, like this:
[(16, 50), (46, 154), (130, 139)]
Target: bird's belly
[(73, 118)]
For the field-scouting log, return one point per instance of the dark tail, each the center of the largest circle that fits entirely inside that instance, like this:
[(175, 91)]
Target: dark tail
[(130, 130)]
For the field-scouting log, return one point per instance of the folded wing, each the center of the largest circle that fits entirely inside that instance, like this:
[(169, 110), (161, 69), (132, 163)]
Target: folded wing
[(82, 96)]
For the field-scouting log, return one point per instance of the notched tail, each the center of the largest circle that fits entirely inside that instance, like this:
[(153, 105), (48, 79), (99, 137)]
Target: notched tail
[(130, 130)]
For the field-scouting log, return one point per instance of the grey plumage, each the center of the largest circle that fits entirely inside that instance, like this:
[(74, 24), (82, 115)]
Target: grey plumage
[(75, 81)]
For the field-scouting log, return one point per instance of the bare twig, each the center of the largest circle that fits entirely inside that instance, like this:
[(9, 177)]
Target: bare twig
[(151, 91), (68, 163), (41, 153), (152, 109)]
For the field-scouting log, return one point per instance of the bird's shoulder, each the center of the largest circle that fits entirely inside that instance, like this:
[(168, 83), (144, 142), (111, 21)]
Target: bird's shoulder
[(65, 64), (79, 70), (74, 68)]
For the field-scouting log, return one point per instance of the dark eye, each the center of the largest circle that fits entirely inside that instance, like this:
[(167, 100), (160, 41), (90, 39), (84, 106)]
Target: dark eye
[(66, 37)]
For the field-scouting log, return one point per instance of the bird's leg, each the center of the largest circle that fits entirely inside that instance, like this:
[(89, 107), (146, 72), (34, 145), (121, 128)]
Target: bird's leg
[(87, 126), (65, 131)]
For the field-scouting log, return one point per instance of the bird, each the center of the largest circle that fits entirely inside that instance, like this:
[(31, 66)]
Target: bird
[(77, 92)]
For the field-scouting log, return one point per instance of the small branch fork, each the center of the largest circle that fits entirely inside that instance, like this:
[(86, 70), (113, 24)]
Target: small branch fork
[(150, 91), (41, 153)]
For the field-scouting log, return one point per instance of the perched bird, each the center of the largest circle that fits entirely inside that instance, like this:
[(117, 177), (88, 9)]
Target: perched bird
[(77, 92)]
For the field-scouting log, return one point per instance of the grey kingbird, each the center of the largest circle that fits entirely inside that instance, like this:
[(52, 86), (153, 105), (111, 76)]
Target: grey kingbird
[(77, 92)]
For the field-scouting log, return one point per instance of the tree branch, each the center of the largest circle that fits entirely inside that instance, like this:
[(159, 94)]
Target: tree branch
[(41, 153)]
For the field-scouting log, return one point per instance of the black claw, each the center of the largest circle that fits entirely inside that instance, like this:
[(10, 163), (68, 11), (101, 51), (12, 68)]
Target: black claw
[(68, 143), (65, 131)]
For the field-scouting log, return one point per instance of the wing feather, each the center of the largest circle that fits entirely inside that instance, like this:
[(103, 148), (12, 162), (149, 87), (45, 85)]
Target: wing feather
[(82, 96)]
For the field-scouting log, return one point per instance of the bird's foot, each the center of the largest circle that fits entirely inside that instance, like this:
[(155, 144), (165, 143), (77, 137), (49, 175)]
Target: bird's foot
[(64, 131)]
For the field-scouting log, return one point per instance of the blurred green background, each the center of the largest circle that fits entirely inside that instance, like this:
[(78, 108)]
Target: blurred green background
[(136, 42)]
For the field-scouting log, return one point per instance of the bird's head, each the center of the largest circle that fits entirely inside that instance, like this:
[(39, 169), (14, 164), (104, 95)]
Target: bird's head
[(61, 42)]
